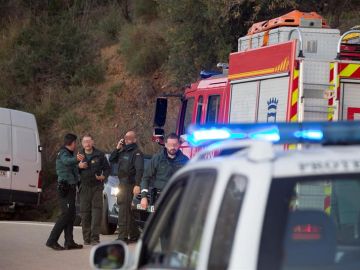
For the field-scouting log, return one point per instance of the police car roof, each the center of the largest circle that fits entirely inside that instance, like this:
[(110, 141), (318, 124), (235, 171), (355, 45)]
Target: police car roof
[(319, 160)]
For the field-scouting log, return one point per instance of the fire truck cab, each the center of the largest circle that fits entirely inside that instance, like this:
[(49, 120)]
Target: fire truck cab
[(289, 69)]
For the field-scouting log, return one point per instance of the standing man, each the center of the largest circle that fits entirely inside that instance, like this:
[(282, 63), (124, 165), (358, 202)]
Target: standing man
[(93, 170), (131, 168), (162, 166), (67, 172)]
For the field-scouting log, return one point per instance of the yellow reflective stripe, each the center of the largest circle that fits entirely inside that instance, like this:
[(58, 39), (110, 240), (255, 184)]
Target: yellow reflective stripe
[(331, 110), (327, 190), (283, 66), (292, 146), (327, 193), (349, 70), (295, 96), (296, 73)]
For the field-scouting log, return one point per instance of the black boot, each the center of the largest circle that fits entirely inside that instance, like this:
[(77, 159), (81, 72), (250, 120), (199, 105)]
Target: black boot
[(72, 245), (55, 246)]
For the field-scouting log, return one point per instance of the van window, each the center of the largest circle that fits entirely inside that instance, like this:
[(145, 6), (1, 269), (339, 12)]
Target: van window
[(199, 110), (213, 107), (226, 223), (312, 221), (188, 109), (24, 144)]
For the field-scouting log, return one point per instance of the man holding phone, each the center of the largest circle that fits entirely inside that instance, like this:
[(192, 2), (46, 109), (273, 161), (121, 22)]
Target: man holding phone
[(131, 168), (93, 170)]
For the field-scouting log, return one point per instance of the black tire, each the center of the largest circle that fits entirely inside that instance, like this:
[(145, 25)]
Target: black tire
[(106, 227)]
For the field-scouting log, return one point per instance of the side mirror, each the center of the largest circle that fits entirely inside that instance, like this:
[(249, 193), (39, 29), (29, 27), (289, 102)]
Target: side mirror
[(160, 112), (158, 135), (114, 255)]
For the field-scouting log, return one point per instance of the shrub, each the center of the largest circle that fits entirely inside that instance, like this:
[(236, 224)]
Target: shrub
[(116, 89), (145, 10), (92, 73), (57, 50), (111, 24), (144, 50), (78, 94), (69, 121)]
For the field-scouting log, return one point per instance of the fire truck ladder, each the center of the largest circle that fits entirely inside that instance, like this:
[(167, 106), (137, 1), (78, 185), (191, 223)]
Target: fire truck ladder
[(313, 85)]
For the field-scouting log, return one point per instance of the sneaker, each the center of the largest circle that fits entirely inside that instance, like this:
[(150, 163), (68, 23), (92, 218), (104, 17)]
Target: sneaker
[(55, 246), (73, 246)]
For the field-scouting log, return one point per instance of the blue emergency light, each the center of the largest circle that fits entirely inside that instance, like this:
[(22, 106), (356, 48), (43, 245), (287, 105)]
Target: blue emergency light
[(331, 133), (204, 74)]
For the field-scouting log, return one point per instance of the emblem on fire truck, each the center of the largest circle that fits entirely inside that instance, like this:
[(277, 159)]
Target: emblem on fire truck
[(272, 109)]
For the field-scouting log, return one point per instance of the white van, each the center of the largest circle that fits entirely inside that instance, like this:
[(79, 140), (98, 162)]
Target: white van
[(20, 158)]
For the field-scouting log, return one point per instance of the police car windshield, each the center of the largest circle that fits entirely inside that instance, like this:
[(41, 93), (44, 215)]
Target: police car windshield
[(312, 223)]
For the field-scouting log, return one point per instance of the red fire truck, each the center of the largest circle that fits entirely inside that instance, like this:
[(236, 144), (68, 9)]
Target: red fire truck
[(289, 69)]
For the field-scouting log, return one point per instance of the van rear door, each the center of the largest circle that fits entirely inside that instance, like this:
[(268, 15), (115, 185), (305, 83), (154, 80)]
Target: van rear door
[(5, 155), (26, 157)]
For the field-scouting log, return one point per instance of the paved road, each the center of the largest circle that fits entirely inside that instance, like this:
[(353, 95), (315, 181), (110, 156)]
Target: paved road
[(22, 246)]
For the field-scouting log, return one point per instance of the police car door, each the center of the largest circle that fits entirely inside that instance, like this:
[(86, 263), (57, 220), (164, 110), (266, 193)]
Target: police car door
[(237, 215), (173, 236)]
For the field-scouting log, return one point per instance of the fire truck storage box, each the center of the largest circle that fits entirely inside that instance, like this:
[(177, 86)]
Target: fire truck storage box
[(313, 38)]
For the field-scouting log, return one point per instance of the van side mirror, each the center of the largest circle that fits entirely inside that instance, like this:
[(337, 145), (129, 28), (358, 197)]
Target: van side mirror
[(114, 255), (160, 112)]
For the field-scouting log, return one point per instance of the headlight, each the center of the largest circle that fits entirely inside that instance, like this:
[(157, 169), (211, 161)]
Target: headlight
[(115, 191)]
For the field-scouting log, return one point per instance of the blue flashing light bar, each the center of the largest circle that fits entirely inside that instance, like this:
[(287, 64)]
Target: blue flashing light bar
[(207, 74), (331, 133)]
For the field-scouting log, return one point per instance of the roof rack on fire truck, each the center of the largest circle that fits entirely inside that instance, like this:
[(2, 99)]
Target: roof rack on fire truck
[(295, 18)]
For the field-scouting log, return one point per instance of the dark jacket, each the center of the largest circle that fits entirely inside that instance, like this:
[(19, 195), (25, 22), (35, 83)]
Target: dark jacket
[(97, 165), (131, 163), (161, 168), (67, 166)]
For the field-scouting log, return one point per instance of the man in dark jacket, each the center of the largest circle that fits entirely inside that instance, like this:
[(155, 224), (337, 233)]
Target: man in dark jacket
[(162, 166), (131, 168), (67, 172), (93, 170)]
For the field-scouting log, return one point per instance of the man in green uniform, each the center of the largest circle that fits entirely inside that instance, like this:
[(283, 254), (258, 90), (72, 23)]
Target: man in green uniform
[(67, 172), (93, 170), (162, 166), (131, 168)]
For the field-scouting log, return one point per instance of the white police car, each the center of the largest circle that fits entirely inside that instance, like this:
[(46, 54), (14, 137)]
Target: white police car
[(255, 206)]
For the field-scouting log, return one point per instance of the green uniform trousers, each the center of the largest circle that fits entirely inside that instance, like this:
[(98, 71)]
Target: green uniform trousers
[(126, 221), (91, 204)]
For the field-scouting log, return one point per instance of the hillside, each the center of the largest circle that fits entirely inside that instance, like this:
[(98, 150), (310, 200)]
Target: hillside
[(98, 66)]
